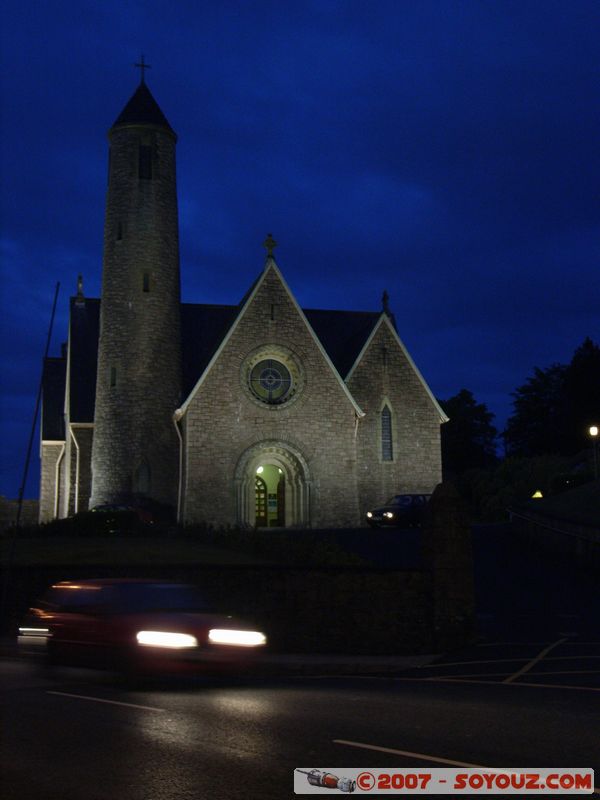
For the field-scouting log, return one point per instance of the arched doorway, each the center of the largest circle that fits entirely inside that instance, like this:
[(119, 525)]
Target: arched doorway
[(273, 487)]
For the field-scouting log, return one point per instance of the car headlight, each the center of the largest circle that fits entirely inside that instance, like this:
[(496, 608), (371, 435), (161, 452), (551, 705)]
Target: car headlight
[(175, 641), (34, 632), (369, 515), (30, 637), (240, 638), (388, 514)]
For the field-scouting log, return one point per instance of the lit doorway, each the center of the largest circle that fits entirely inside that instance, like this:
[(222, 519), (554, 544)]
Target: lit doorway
[(270, 496), (272, 486)]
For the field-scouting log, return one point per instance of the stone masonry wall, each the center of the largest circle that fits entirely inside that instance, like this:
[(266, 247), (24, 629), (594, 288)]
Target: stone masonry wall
[(84, 436), (223, 420), (50, 454), (139, 330), (68, 479), (447, 552), (385, 373)]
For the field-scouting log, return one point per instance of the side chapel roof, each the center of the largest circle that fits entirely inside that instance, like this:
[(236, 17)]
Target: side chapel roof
[(79, 370), (53, 398), (342, 333), (83, 358)]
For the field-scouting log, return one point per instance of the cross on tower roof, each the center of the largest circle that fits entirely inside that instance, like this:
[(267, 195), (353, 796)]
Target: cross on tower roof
[(142, 65)]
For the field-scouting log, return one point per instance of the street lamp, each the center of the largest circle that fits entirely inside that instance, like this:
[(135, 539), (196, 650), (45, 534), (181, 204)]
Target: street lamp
[(593, 431)]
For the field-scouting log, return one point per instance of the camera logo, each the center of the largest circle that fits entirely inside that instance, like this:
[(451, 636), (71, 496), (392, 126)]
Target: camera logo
[(327, 780)]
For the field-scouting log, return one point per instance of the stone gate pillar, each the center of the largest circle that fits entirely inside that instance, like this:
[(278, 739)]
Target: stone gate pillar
[(447, 552)]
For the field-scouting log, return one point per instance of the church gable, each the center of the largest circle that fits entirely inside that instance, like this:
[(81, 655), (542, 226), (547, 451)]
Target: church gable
[(270, 314), (398, 443), (385, 353), (272, 394)]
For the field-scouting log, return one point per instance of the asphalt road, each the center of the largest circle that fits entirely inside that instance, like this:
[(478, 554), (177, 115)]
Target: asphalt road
[(79, 735), (527, 694)]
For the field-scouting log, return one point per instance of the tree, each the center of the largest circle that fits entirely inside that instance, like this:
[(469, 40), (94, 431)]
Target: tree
[(581, 397), (469, 438), (533, 428), (554, 409)]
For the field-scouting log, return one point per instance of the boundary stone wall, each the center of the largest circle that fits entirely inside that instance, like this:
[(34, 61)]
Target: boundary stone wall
[(324, 609)]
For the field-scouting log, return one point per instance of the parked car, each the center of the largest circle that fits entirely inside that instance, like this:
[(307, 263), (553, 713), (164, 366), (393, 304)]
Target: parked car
[(136, 626), (400, 511), (122, 517)]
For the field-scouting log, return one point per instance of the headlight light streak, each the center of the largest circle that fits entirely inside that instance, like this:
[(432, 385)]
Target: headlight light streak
[(239, 638), (175, 641), (34, 631)]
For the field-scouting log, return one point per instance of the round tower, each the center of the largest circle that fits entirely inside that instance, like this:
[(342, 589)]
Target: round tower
[(135, 446)]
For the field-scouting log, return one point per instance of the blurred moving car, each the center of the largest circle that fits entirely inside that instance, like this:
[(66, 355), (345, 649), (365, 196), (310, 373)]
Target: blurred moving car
[(137, 627), (400, 511)]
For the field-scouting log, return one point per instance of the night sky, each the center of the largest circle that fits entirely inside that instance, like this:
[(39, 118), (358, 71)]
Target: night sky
[(444, 151)]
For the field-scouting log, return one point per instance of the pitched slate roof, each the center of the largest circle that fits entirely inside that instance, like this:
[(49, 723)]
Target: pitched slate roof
[(342, 333), (53, 399), (142, 109), (84, 332), (203, 328)]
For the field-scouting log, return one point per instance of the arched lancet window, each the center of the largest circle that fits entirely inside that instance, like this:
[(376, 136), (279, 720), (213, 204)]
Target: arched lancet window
[(387, 448)]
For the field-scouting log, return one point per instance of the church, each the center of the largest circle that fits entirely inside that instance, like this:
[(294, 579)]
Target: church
[(260, 413)]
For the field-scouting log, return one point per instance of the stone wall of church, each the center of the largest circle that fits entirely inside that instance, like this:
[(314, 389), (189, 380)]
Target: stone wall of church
[(73, 474), (385, 375), (51, 452), (223, 420), (83, 436), (139, 356), (66, 480)]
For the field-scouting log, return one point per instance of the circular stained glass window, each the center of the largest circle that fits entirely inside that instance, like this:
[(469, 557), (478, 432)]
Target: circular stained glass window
[(270, 381)]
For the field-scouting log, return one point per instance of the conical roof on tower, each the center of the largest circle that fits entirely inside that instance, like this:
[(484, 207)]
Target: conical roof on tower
[(142, 109)]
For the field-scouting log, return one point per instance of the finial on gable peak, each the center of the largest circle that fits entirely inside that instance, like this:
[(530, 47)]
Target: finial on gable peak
[(385, 302), (80, 299), (269, 244)]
